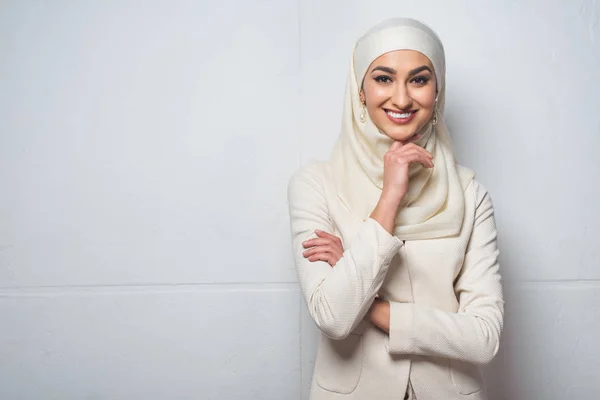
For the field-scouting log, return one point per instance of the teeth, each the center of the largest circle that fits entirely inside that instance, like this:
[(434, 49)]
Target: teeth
[(398, 115)]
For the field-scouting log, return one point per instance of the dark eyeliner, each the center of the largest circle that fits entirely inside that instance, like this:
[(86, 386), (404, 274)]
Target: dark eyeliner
[(424, 79), (383, 79)]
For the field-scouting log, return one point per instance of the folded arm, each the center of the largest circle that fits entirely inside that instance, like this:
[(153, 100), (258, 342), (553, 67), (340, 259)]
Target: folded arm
[(337, 298), (472, 334)]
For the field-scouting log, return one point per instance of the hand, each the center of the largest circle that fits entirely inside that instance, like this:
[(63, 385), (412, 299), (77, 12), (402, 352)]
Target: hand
[(395, 180), (395, 167), (379, 314), (325, 247)]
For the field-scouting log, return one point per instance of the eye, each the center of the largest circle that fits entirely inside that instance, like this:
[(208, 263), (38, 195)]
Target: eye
[(421, 80), (383, 79)]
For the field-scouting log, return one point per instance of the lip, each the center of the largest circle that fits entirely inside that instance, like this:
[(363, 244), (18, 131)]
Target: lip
[(400, 121)]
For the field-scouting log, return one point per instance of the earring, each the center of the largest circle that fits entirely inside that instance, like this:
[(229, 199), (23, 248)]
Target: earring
[(434, 120), (363, 113)]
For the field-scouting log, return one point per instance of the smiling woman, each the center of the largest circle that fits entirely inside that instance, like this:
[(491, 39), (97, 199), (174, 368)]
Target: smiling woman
[(399, 93), (394, 243)]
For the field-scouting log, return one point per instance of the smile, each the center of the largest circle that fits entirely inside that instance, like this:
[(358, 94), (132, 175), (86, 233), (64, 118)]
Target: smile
[(400, 118)]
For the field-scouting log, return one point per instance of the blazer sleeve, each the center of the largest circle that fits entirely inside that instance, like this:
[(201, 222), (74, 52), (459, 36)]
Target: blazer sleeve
[(337, 298), (471, 334)]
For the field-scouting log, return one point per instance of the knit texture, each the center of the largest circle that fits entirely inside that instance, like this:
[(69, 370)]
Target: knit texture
[(445, 295)]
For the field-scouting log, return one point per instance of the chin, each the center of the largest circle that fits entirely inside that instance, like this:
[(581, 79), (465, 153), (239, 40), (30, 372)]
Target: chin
[(405, 133), (400, 135)]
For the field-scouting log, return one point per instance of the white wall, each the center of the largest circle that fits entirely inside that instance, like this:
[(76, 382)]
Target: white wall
[(144, 157)]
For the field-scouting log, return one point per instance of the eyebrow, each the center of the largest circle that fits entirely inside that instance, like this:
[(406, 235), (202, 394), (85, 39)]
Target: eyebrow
[(420, 69), (393, 71), (384, 69)]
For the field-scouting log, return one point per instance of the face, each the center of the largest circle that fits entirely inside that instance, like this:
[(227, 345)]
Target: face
[(399, 90)]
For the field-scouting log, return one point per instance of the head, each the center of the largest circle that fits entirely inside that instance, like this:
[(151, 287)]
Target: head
[(399, 67), (399, 91)]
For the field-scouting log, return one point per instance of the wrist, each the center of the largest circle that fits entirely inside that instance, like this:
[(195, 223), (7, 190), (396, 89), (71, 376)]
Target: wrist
[(390, 200), (385, 212)]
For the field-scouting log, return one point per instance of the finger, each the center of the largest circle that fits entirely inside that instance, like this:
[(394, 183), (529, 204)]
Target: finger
[(327, 257), (323, 234), (323, 249), (338, 256), (413, 147), (421, 159), (426, 153), (396, 145), (413, 156), (403, 156), (334, 238), (317, 242), (311, 252), (425, 159)]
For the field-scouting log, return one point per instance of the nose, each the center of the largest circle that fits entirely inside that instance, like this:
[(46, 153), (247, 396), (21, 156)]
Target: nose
[(401, 97)]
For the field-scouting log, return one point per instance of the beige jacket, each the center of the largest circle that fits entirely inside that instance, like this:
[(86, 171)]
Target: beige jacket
[(445, 296)]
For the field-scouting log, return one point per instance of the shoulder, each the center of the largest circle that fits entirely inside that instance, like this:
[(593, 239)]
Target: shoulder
[(306, 179), (474, 189), (312, 171)]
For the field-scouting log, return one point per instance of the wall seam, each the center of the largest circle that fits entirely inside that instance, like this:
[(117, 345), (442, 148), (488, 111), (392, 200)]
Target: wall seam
[(299, 162)]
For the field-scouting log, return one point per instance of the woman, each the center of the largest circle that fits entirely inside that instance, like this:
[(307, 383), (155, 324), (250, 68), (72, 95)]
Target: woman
[(395, 244)]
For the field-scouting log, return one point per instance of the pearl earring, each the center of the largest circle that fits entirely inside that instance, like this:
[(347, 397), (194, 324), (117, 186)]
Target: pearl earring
[(363, 113)]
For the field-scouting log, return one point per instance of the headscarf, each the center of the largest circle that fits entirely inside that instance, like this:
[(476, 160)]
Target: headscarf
[(434, 204)]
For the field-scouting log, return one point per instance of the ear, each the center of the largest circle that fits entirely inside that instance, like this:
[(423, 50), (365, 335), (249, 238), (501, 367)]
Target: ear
[(361, 94)]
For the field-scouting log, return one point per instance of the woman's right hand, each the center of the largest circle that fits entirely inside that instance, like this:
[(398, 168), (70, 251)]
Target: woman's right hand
[(396, 162), (395, 168)]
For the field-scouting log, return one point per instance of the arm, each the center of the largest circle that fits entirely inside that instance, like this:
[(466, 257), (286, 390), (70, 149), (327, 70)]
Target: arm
[(473, 333), (337, 298)]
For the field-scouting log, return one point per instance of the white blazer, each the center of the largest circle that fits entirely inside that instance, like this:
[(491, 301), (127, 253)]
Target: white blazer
[(445, 296)]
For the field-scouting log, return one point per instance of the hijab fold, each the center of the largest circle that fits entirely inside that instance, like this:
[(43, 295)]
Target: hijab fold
[(434, 204)]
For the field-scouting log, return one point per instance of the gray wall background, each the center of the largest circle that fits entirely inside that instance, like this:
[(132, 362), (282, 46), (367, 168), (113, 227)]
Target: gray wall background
[(145, 149)]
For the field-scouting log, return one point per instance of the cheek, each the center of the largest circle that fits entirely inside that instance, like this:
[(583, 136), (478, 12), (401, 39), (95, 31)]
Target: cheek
[(425, 97), (375, 95), (379, 92)]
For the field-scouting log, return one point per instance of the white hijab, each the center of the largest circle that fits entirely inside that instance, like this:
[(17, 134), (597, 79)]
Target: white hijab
[(434, 204)]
